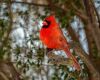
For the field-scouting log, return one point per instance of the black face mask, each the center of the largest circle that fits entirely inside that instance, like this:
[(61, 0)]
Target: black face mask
[(48, 24)]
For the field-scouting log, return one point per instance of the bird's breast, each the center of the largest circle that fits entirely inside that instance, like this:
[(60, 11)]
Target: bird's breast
[(48, 38)]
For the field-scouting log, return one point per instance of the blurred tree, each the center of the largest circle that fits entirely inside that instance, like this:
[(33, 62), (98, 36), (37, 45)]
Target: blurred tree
[(22, 55)]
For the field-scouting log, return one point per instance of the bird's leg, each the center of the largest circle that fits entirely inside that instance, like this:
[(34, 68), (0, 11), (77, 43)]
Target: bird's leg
[(49, 50)]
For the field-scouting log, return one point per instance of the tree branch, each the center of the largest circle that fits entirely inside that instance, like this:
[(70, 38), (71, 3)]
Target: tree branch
[(8, 31), (94, 73), (77, 47), (77, 12), (28, 3), (94, 29), (8, 71), (95, 12)]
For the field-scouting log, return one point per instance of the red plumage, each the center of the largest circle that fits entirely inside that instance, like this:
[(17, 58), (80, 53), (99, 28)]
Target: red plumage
[(52, 36)]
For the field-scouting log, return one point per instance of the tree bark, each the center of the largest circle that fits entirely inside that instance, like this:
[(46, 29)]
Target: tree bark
[(8, 71), (92, 21)]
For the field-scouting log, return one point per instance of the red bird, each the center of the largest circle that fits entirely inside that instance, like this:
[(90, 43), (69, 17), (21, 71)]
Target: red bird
[(52, 36)]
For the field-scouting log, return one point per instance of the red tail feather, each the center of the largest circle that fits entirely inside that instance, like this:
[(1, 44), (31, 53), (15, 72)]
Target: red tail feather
[(76, 64)]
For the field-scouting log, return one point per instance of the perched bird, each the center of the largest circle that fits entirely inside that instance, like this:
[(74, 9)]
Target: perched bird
[(52, 36)]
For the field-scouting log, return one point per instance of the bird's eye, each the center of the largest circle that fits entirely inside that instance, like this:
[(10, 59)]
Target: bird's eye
[(46, 24)]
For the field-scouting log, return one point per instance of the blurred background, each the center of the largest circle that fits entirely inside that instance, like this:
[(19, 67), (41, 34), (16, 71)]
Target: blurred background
[(22, 54)]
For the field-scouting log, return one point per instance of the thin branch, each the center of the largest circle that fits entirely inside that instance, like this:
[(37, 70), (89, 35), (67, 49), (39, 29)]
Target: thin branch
[(90, 41), (94, 29), (28, 3), (6, 66), (3, 76), (95, 74), (78, 49), (77, 12), (10, 24), (95, 12), (8, 31)]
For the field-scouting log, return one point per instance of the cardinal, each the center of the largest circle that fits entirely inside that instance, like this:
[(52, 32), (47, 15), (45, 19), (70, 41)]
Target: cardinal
[(52, 36)]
